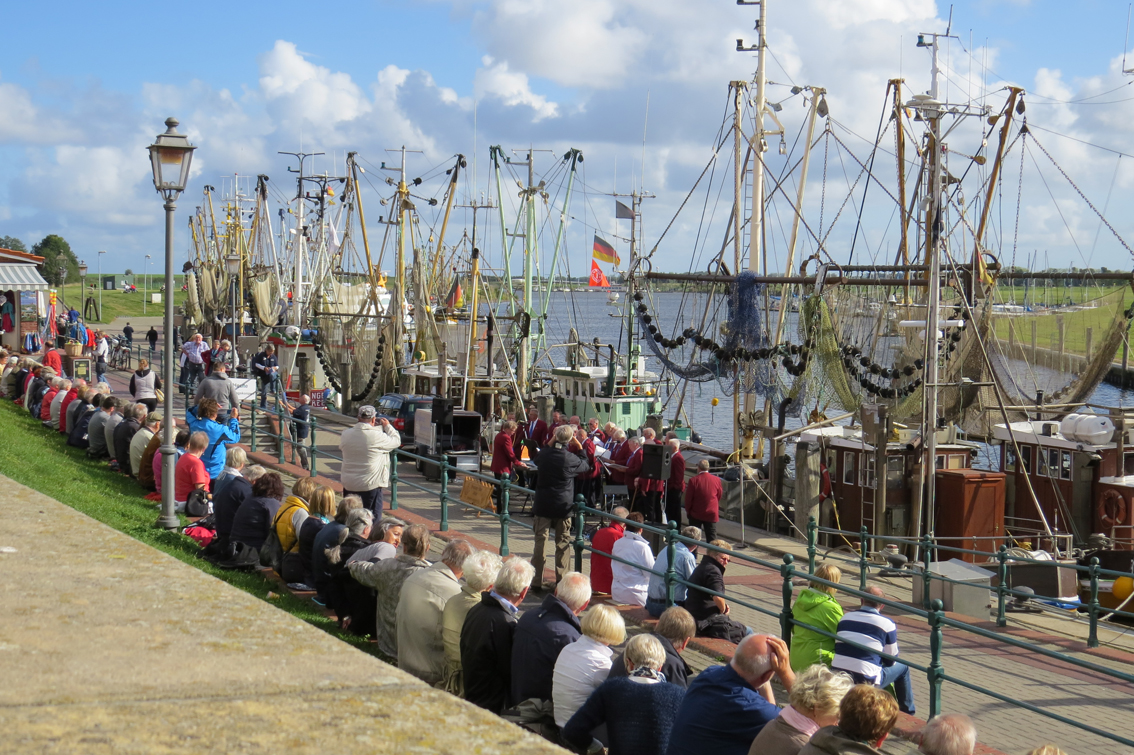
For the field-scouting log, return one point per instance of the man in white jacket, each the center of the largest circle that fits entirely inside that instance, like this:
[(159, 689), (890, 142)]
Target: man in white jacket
[(365, 449), (630, 584)]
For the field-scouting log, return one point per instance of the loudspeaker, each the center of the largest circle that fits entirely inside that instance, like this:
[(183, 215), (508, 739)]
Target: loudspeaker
[(655, 462), (442, 411)]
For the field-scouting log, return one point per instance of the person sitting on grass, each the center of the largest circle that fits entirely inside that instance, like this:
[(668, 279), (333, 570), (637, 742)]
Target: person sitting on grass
[(384, 541), (638, 710), (225, 506), (480, 570), (328, 536), (157, 463), (113, 420), (57, 403), (204, 418), (352, 538), (320, 510), (150, 429), (235, 460), (71, 410), (293, 511), (124, 435), (190, 474), (387, 578), (866, 716), (253, 521), (45, 405), (84, 411)]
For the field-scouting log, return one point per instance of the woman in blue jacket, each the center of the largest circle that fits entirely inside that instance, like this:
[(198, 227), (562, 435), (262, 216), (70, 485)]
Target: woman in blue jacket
[(204, 418)]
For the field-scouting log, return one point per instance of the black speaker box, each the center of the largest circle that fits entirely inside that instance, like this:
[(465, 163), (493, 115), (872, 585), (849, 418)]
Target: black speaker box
[(442, 411), (655, 462)]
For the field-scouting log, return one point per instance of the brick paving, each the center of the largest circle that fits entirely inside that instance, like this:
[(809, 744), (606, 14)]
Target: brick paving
[(1054, 686)]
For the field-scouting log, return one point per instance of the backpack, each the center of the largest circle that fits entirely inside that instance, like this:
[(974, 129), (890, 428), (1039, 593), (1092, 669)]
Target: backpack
[(272, 552)]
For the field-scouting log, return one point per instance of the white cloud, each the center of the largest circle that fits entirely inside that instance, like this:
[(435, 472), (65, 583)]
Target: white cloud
[(495, 80)]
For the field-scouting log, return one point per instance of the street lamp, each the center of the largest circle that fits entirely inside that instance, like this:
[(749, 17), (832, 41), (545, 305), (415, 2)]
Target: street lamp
[(146, 285), (100, 286), (232, 264), (170, 156), (83, 286)]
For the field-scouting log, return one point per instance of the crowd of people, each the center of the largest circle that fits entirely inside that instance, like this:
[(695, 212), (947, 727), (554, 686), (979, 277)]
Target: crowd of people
[(564, 667)]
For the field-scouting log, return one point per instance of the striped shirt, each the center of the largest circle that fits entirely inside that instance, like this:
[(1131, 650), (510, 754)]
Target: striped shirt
[(869, 628)]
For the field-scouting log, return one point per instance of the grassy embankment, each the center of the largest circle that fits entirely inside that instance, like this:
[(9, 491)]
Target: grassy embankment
[(41, 460), (119, 304), (1075, 323)]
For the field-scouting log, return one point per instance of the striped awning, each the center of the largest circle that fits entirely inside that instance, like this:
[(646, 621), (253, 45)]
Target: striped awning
[(21, 277)]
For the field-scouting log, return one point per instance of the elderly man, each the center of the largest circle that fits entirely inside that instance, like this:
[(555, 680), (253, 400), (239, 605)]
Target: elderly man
[(504, 457), (872, 634), (72, 394), (725, 707), (533, 434), (486, 638), (712, 611), (96, 430), (675, 486), (387, 578), (674, 631), (703, 500), (628, 588), (621, 449), (480, 571), (218, 387), (266, 367), (558, 465), (684, 563), (951, 734), (48, 399), (595, 433), (124, 436), (151, 426), (365, 448), (111, 423), (542, 633), (602, 544), (57, 403), (421, 605), (193, 368)]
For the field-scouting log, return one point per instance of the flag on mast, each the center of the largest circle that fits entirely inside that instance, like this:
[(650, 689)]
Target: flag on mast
[(604, 252), (598, 280), (622, 212), (456, 297)]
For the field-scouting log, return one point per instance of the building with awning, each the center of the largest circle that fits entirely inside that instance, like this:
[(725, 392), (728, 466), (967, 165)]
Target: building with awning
[(24, 298)]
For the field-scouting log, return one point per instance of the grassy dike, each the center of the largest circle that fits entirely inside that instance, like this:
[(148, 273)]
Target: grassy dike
[(41, 460)]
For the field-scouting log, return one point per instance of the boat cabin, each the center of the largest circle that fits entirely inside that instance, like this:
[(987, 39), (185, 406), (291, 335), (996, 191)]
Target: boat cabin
[(585, 391)]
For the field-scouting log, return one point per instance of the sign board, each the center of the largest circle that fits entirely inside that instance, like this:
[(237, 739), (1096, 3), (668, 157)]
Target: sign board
[(29, 306), (245, 388), (80, 368)]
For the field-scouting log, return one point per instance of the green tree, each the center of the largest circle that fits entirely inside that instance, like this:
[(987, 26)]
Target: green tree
[(13, 243), (59, 262), (129, 271)]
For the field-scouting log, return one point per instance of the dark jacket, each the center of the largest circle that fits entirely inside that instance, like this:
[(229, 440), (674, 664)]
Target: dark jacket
[(555, 486), (342, 589), (320, 578), (486, 654), (123, 434), (78, 434), (709, 573), (830, 740), (227, 503), (308, 531), (262, 362), (675, 668), (218, 387), (253, 520), (540, 635), (638, 717)]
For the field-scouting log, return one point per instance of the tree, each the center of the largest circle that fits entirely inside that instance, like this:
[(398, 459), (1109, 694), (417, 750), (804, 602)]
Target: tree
[(59, 262), (13, 243), (129, 271)]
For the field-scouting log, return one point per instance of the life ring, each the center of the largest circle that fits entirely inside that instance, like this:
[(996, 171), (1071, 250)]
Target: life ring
[(1111, 501), (824, 483)]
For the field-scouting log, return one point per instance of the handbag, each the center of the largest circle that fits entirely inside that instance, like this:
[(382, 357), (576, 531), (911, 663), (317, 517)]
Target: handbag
[(160, 395), (272, 552), (197, 505)]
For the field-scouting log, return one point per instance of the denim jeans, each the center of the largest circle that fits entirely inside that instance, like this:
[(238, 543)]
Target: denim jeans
[(899, 676)]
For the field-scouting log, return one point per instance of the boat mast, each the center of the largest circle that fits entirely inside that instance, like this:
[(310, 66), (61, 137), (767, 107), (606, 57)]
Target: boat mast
[(757, 253), (300, 230), (632, 349), (738, 90)]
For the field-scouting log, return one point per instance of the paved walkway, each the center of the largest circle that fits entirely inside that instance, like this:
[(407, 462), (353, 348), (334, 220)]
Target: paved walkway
[(110, 646), (1054, 686)]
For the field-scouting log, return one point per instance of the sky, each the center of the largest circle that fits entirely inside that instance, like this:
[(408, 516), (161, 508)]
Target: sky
[(640, 87)]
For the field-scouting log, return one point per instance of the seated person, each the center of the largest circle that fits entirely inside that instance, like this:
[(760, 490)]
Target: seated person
[(384, 541), (814, 703), (326, 537), (873, 634), (584, 664), (630, 583), (253, 519), (486, 638), (866, 716), (816, 606), (638, 710), (297, 566), (543, 632), (711, 611), (191, 473), (674, 631), (225, 506), (352, 538), (684, 562), (180, 441)]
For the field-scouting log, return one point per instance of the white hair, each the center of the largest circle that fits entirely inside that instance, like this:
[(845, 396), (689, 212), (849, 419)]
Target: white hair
[(480, 570), (644, 651), (952, 734), (819, 689), (574, 590), (456, 552), (564, 433), (514, 577)]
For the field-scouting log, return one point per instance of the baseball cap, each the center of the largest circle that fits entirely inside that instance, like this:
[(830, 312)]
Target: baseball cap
[(367, 412)]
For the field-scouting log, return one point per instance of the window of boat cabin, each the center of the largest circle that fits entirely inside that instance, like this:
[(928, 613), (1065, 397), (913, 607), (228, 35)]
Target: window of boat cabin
[(939, 462), (1026, 458), (956, 461), (1009, 458), (1128, 463), (850, 473), (1065, 465), (867, 480), (833, 460), (1048, 459), (895, 471)]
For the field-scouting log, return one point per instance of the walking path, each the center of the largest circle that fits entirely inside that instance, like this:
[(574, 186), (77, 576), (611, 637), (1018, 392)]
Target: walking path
[(1052, 685), (109, 646)]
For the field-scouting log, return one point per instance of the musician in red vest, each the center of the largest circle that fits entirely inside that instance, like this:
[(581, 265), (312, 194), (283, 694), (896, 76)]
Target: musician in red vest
[(504, 456), (703, 500), (620, 452), (675, 486), (645, 495)]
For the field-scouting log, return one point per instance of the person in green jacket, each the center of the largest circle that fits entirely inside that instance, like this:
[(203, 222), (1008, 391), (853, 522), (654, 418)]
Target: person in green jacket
[(817, 607)]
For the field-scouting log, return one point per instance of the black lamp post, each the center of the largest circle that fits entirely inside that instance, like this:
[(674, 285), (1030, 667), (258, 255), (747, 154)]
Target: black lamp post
[(170, 155)]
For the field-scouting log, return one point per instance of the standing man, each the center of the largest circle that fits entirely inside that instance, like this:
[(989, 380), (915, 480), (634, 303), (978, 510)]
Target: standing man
[(128, 334), (218, 387), (675, 486), (534, 434), (868, 627), (365, 448), (151, 336), (703, 500), (504, 456), (266, 367), (300, 425), (194, 368), (595, 433), (558, 465)]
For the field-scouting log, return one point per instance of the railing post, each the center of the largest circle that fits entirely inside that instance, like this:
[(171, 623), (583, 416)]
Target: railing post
[(670, 570), (1093, 606), (314, 455), (444, 466), (279, 431), (252, 429), (812, 542), (926, 575), (787, 571), (393, 479), (1002, 588), (580, 503), (505, 517), (862, 558), (936, 671)]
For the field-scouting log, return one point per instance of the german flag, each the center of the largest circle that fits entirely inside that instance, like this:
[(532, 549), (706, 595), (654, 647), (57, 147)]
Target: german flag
[(604, 252), (456, 297)]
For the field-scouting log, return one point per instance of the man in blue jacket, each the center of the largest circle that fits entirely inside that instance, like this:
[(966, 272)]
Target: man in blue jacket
[(204, 418), (543, 632), (558, 465)]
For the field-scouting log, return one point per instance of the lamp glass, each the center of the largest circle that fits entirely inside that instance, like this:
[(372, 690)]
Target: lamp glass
[(171, 155), (232, 264)]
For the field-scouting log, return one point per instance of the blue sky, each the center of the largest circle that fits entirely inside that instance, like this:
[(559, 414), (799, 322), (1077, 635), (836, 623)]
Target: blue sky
[(84, 87)]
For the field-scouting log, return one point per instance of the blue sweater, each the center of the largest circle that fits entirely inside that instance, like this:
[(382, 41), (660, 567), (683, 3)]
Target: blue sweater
[(219, 435), (721, 714), (638, 717)]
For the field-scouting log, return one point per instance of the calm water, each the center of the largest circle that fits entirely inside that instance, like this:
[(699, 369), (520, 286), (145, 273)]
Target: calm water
[(593, 317)]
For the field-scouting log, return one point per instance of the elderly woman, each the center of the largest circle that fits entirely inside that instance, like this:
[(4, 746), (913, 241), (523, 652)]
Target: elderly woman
[(384, 541), (584, 664), (814, 703), (479, 573), (638, 709), (866, 716), (816, 607)]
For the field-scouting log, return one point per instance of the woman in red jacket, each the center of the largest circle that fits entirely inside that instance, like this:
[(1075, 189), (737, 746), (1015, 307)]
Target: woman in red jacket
[(504, 456)]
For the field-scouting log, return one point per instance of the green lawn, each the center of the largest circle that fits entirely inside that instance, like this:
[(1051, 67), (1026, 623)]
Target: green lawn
[(1075, 323), (41, 460), (119, 304)]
